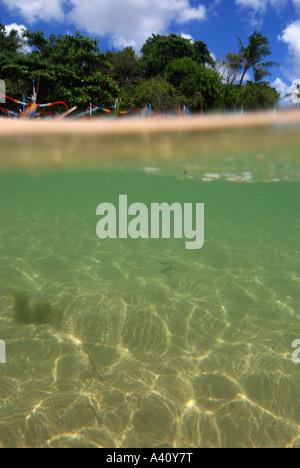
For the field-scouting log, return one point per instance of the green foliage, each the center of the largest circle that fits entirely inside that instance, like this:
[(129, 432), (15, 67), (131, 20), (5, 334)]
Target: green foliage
[(123, 67), (172, 71), (9, 43), (252, 96), (260, 73), (75, 51), (68, 67), (158, 51), (38, 313), (258, 96), (9, 55), (157, 91), (230, 96), (178, 70), (199, 85)]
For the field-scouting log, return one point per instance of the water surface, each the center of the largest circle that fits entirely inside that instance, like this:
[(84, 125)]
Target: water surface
[(159, 346)]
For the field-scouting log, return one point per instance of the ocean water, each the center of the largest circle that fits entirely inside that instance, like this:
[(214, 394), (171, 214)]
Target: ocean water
[(159, 346)]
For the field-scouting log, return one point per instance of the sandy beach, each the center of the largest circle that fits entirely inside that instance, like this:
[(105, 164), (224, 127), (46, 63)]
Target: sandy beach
[(107, 126)]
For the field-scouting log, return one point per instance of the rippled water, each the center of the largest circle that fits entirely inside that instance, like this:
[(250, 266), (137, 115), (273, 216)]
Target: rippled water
[(159, 346)]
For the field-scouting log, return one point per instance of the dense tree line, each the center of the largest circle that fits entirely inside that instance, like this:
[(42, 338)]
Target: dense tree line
[(171, 72)]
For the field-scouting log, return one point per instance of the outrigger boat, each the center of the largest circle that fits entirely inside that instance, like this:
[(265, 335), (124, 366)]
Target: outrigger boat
[(31, 109)]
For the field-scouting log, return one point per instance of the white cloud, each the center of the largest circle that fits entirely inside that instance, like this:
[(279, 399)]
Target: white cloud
[(132, 21), (15, 27), (25, 49), (126, 23), (34, 10), (247, 77), (296, 3), (189, 14), (291, 36), (257, 9), (294, 90), (281, 87), (287, 92), (261, 5), (258, 5), (186, 36)]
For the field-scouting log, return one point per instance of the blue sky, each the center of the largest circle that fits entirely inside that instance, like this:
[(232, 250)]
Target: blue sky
[(118, 23)]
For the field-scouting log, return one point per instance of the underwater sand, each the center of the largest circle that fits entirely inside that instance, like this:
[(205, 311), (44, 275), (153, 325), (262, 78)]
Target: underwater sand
[(159, 346)]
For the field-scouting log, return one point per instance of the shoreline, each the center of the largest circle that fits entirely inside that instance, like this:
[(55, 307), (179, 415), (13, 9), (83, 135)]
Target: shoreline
[(131, 125)]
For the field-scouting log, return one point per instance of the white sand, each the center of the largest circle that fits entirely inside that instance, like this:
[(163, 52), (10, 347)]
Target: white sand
[(131, 125)]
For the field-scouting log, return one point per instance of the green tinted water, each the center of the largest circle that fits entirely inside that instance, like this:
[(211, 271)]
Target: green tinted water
[(159, 346)]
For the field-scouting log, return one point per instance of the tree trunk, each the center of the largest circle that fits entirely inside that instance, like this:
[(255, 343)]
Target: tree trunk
[(243, 75)]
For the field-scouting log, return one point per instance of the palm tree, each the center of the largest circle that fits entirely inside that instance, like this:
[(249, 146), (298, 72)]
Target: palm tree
[(260, 73), (257, 48), (232, 67)]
